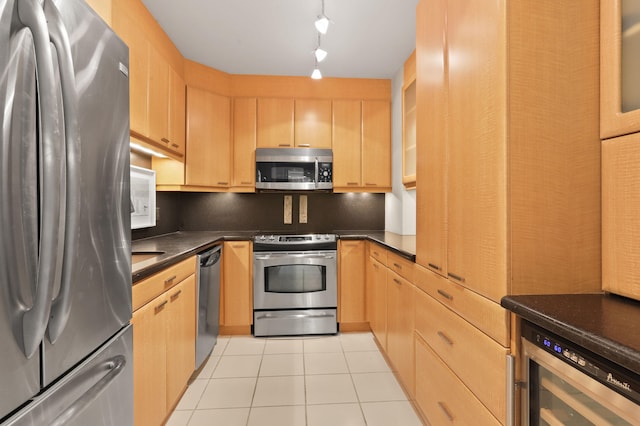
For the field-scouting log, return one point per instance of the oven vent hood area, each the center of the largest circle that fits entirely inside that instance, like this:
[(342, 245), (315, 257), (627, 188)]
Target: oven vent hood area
[(294, 169)]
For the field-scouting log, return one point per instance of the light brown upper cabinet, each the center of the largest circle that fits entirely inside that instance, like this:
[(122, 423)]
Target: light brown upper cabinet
[(362, 146), (156, 89), (409, 123), (347, 147), (275, 123), (522, 154), (376, 146), (139, 47), (312, 123), (177, 112), (244, 144), (620, 219), (158, 95), (208, 139), (619, 67), (431, 136)]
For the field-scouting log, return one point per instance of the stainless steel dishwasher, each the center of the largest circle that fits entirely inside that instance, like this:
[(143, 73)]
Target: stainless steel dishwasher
[(208, 302)]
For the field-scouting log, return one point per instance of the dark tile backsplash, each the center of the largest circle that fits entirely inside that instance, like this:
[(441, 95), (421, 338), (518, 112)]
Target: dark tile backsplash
[(326, 212)]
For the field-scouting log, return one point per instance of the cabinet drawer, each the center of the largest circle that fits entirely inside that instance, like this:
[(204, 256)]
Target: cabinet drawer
[(378, 253), (441, 396), (473, 356), (483, 313), (400, 265), (147, 289)]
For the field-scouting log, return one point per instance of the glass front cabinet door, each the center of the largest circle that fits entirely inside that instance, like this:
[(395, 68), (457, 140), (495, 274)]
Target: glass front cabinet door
[(620, 67)]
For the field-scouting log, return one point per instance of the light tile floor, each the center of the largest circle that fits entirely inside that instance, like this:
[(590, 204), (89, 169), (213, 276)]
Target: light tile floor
[(327, 380)]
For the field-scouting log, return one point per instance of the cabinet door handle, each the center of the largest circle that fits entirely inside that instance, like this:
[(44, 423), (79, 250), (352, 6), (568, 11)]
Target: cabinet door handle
[(284, 144), (165, 140), (175, 145), (176, 295), (169, 280), (445, 338), (304, 145), (446, 411), (397, 281), (455, 277), (160, 307), (434, 266), (352, 183), (371, 184), (375, 266), (245, 183), (223, 183), (397, 266), (445, 294)]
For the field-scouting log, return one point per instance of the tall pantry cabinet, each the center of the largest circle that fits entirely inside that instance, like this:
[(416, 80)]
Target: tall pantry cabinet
[(508, 193)]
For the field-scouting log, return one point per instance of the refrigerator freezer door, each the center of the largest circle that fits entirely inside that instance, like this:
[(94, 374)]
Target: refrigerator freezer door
[(98, 392), (25, 300), (98, 300)]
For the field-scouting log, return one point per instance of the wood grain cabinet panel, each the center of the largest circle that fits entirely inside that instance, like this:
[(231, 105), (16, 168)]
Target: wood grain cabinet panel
[(442, 397), (477, 359), (244, 144), (164, 338), (351, 280), (347, 147), (139, 51), (620, 218), (158, 98), (177, 112), (275, 123), (237, 286), (431, 136), (376, 146), (208, 139), (376, 289), (312, 123), (150, 362), (400, 326), (181, 338)]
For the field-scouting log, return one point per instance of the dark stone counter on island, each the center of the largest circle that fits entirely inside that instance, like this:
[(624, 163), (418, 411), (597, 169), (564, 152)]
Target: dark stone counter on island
[(605, 324)]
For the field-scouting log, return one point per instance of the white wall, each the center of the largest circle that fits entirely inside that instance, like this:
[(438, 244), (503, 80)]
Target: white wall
[(400, 205)]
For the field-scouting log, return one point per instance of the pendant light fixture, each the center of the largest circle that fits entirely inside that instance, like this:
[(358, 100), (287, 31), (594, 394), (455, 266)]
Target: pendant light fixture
[(322, 23), (316, 74), (319, 53)]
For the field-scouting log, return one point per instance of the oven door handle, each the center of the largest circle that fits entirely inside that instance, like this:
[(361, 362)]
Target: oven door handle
[(296, 316), (295, 256)]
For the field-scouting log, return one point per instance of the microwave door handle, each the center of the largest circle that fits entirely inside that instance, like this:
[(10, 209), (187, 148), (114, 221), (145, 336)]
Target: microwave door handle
[(34, 320), (61, 306), (317, 180)]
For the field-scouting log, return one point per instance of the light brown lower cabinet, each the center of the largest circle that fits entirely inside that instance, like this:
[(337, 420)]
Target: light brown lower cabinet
[(400, 325), (236, 297), (441, 396), (351, 281), (164, 333), (376, 289)]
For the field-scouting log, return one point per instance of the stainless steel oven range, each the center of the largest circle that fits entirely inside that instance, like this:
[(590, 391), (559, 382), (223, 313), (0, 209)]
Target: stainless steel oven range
[(566, 384), (295, 285)]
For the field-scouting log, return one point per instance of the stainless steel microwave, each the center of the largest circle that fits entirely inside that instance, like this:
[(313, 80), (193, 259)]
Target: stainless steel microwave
[(294, 169)]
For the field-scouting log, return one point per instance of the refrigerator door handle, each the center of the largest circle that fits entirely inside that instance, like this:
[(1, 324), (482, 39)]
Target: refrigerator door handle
[(34, 320), (114, 366), (62, 304)]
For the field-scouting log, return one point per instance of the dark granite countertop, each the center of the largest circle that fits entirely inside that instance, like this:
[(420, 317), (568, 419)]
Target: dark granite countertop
[(180, 245), (605, 324), (404, 245)]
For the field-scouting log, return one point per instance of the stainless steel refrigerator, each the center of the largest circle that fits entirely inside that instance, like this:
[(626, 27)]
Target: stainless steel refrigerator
[(65, 265)]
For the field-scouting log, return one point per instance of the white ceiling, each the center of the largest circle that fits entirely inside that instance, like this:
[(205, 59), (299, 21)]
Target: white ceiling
[(366, 38)]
